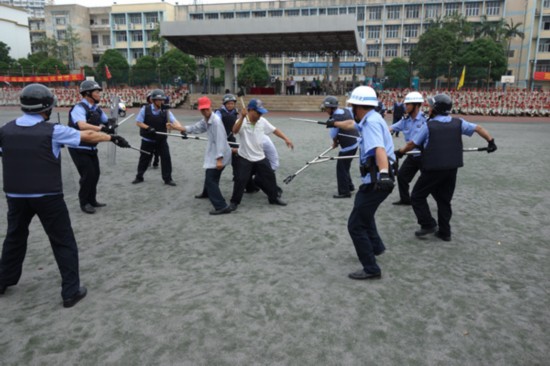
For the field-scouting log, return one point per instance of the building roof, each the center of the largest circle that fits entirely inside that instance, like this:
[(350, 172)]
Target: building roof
[(266, 35)]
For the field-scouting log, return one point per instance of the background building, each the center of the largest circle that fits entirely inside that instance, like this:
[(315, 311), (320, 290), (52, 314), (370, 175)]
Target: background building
[(14, 31)]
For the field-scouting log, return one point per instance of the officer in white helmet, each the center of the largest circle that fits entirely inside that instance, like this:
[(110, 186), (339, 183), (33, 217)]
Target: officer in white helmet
[(411, 125), (376, 157)]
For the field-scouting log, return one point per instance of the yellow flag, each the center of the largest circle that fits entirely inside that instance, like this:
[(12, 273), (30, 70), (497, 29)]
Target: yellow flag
[(461, 81)]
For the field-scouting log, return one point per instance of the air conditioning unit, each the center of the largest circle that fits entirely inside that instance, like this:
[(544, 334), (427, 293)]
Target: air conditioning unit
[(406, 40), (358, 58), (312, 60), (131, 25), (115, 27), (377, 41), (152, 25), (291, 59)]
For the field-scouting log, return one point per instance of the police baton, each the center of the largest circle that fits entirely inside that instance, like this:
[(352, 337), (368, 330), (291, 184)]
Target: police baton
[(240, 94), (307, 120), (316, 159), (185, 136)]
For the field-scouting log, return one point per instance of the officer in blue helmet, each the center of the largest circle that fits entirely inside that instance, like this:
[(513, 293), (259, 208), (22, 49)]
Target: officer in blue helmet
[(35, 144), (441, 142)]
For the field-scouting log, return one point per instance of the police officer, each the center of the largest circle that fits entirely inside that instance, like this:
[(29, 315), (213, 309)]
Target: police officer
[(411, 125), (376, 152), (155, 164), (441, 142), (398, 112), (151, 119), (87, 115), (32, 143), (348, 145)]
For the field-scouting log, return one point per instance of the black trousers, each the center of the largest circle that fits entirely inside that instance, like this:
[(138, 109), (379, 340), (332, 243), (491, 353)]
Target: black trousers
[(161, 146), (406, 173), (87, 164), (441, 185), (345, 184), (264, 174), (54, 216)]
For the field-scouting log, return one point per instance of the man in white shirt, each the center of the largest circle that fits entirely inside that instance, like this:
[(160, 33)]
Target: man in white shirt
[(250, 128)]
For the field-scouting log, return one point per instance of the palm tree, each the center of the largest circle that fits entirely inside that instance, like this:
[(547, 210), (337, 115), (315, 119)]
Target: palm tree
[(511, 30)]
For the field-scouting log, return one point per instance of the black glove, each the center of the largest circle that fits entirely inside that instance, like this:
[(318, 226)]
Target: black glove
[(328, 124), (491, 147), (183, 135), (150, 131), (119, 141), (399, 154), (109, 129), (384, 183)]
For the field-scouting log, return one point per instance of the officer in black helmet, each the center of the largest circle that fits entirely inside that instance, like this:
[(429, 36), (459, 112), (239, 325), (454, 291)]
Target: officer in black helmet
[(151, 119), (155, 153), (441, 142), (33, 143), (348, 145), (87, 115)]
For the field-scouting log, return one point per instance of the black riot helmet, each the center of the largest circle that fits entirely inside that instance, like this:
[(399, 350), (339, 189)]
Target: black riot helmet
[(36, 99), (441, 104), (157, 94), (89, 86), (228, 98), (330, 102)]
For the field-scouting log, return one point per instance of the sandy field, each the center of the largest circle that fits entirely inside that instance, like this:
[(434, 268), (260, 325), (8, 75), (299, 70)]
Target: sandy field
[(169, 284)]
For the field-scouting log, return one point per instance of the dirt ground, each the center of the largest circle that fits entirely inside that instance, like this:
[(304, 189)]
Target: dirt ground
[(266, 285)]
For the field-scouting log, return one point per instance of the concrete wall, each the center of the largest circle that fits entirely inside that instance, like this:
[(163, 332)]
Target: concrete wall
[(14, 31)]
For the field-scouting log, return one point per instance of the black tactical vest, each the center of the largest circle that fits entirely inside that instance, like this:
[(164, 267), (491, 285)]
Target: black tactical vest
[(92, 117), (158, 122), (229, 119), (444, 149), (28, 162), (345, 141)]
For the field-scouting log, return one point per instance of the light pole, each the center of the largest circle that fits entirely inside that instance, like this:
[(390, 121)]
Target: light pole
[(489, 75), (449, 76)]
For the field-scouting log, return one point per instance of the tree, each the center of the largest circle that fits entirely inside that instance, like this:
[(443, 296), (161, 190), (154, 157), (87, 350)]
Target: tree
[(479, 55), (118, 67), (71, 46), (397, 72), (144, 72), (89, 71), (52, 66), (253, 72), (48, 46), (512, 31), (435, 49), (5, 53), (160, 46), (176, 64)]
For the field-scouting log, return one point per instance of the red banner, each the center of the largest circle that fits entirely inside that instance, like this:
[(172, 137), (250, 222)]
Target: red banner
[(41, 79), (539, 75)]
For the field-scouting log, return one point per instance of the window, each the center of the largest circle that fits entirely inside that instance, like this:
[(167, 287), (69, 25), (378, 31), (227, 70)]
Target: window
[(275, 70), (275, 55), (373, 32), (332, 11), (493, 8), (197, 16), (412, 11), (392, 31), (351, 10), (391, 50), (259, 14), (511, 54), (275, 13), (546, 4), (361, 14), (342, 10), (243, 14), (312, 11), (137, 53), (373, 50), (104, 21), (119, 19), (546, 23), (322, 11), (61, 34), (361, 31), (106, 40), (305, 12), (292, 12), (95, 39), (151, 18), (407, 49), (432, 11), (120, 36), (472, 9), (60, 21), (394, 12), (451, 9), (136, 36), (135, 18), (411, 31), (544, 45), (228, 15), (212, 15), (375, 13)]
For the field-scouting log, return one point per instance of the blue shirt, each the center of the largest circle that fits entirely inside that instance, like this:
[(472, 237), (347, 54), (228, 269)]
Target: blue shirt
[(333, 132), (78, 114), (62, 135), (410, 127), (423, 136), (141, 117), (374, 133)]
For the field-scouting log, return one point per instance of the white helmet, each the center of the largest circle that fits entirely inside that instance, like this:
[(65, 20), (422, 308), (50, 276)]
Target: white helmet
[(414, 97), (363, 95)]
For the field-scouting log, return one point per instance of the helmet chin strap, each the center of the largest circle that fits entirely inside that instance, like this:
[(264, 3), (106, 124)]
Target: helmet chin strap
[(47, 114)]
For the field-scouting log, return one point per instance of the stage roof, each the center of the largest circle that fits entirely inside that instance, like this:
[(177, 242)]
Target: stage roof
[(320, 34)]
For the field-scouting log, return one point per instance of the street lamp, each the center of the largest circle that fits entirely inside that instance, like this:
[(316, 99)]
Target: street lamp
[(449, 76), (489, 75)]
